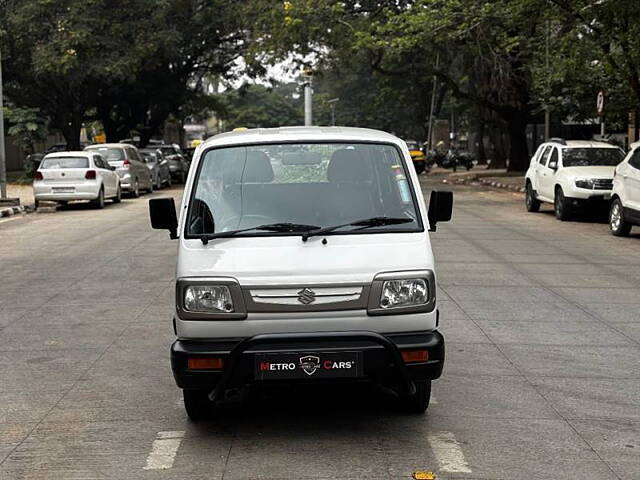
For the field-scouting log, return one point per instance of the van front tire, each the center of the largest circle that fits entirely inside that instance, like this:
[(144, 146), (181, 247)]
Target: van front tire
[(418, 402), (197, 404)]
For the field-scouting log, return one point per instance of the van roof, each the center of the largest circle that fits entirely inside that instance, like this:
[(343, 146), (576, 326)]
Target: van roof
[(302, 134)]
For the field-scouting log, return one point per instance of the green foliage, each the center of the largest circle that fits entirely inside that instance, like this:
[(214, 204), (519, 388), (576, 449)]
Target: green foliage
[(256, 106), (26, 125)]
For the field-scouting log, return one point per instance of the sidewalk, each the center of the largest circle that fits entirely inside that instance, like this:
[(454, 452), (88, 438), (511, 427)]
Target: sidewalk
[(22, 192), (479, 175)]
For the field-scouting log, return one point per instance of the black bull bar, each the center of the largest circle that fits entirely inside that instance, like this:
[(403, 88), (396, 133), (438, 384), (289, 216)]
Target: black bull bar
[(266, 339)]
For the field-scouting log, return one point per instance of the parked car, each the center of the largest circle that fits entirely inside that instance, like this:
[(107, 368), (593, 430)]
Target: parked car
[(37, 157), (178, 165), (69, 176), (133, 172), (571, 174), (625, 197), (304, 256), (158, 166), (417, 155)]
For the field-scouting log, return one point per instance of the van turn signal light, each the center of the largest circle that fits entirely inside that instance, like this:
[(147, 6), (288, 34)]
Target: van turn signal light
[(414, 356), (205, 363)]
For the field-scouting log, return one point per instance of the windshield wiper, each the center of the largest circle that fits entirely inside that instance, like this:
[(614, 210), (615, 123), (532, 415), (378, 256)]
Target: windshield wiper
[(366, 223), (270, 227)]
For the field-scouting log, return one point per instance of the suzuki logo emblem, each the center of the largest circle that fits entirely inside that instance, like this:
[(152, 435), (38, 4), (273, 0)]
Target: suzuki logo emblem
[(306, 296)]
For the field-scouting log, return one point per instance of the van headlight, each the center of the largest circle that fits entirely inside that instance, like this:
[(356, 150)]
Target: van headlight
[(402, 292), (208, 299)]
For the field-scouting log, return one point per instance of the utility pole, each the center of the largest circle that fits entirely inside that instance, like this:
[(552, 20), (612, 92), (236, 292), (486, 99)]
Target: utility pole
[(547, 116), (307, 74), (433, 105), (332, 104), (3, 162)]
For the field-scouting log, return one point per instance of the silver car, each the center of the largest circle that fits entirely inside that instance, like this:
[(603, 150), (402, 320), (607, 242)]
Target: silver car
[(130, 167), (158, 166)]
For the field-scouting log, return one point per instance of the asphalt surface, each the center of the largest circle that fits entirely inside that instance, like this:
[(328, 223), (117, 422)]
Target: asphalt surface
[(542, 378)]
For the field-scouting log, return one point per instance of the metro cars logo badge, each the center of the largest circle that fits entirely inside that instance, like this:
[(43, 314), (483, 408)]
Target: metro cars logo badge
[(310, 364), (306, 296)]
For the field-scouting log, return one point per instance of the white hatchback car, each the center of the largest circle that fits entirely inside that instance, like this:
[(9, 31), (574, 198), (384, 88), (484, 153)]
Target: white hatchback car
[(625, 199), (304, 256), (571, 174), (68, 176)]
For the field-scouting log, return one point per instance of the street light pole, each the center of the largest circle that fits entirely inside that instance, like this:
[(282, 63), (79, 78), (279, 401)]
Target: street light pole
[(433, 104), (308, 99), (3, 163)]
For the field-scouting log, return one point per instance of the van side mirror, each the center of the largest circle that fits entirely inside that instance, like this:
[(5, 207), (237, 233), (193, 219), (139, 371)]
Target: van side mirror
[(440, 208), (163, 215)]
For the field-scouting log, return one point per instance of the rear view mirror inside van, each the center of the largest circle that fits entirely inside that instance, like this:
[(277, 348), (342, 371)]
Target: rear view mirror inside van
[(163, 215), (440, 208)]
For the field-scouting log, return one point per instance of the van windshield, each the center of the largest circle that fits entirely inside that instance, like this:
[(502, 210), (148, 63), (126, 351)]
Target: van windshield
[(320, 184)]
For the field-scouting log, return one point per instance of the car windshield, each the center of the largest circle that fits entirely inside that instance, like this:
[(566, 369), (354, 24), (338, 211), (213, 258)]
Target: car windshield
[(316, 184), (588, 157), (64, 162), (110, 154), (167, 150)]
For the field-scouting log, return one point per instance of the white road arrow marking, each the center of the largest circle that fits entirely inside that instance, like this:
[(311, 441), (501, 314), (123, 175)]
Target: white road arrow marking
[(164, 450), (447, 451)]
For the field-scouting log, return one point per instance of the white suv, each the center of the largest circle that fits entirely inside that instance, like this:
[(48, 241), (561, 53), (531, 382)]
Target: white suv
[(570, 174), (625, 199)]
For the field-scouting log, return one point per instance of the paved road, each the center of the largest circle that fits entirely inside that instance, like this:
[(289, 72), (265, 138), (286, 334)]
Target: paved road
[(542, 379)]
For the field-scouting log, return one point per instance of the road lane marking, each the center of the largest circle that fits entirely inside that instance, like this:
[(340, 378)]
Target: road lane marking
[(164, 450), (448, 453)]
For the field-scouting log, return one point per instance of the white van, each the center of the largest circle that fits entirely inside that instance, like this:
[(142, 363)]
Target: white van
[(304, 255)]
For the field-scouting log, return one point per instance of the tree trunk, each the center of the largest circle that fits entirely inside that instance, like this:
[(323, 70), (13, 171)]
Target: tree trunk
[(498, 151), (480, 151), (518, 148), (71, 131)]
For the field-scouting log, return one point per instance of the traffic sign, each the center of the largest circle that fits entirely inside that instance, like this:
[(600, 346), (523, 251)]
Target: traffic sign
[(600, 102)]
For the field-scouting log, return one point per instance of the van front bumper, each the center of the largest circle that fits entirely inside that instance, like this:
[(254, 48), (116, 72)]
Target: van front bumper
[(381, 357)]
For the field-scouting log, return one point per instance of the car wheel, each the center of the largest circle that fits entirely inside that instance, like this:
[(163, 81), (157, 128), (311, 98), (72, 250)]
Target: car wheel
[(418, 402), (135, 193), (150, 189), (617, 224), (118, 197), (530, 200), (158, 184), (99, 202), (169, 181), (561, 206), (197, 404)]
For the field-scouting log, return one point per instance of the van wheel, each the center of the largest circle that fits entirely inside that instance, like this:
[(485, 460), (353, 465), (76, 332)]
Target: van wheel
[(419, 402), (197, 404), (617, 224), (530, 200), (99, 202), (562, 206)]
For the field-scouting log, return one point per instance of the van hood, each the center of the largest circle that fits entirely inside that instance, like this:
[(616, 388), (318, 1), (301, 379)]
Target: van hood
[(590, 172), (287, 260)]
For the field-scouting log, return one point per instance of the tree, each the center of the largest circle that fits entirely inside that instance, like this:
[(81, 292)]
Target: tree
[(258, 106)]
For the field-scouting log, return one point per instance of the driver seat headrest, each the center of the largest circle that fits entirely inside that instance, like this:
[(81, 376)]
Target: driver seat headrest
[(348, 165), (258, 168)]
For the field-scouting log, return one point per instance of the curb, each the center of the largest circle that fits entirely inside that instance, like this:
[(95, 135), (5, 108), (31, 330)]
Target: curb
[(11, 211), (488, 183)]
